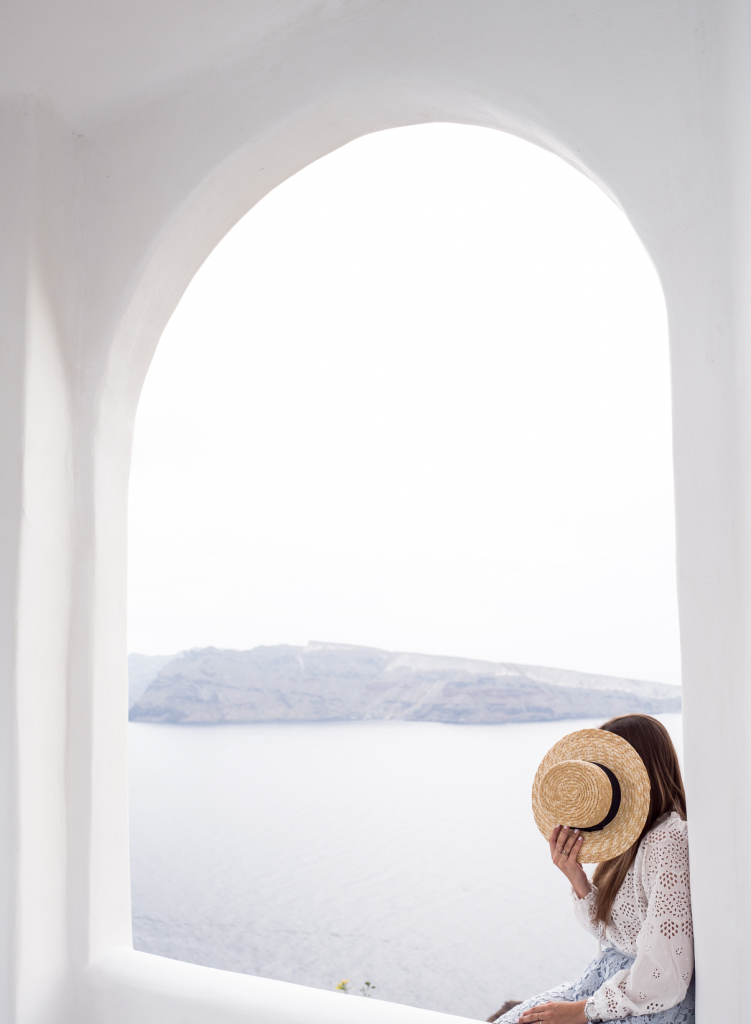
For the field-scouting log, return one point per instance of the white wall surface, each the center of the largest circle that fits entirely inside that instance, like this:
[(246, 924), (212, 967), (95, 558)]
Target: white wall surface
[(131, 138)]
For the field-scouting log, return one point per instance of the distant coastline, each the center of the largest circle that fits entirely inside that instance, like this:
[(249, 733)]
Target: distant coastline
[(340, 682)]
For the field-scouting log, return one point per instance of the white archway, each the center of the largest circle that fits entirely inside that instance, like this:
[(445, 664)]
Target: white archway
[(194, 228), (107, 213)]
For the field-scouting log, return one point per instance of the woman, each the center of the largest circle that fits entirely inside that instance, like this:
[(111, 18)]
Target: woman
[(619, 792)]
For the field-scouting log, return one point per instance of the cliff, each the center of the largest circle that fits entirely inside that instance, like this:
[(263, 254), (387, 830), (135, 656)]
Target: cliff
[(325, 682)]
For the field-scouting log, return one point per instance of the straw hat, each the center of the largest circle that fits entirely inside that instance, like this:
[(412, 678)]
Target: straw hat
[(595, 781)]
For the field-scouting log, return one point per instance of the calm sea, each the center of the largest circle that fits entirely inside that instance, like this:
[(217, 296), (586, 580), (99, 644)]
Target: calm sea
[(401, 853)]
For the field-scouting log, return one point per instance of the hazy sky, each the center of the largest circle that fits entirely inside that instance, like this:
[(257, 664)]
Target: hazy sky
[(417, 399)]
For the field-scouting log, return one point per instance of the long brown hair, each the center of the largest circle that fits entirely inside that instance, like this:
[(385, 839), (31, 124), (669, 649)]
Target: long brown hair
[(651, 741)]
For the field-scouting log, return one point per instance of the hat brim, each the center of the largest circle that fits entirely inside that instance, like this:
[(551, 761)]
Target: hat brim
[(620, 757)]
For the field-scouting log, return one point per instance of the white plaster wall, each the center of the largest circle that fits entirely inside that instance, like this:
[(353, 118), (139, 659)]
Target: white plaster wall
[(131, 138)]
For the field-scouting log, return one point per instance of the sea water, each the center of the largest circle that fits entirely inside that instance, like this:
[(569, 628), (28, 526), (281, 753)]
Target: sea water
[(400, 853)]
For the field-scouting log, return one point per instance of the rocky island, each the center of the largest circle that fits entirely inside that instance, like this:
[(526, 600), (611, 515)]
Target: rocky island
[(340, 682)]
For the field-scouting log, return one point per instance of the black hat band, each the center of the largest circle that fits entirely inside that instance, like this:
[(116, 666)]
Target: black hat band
[(615, 800)]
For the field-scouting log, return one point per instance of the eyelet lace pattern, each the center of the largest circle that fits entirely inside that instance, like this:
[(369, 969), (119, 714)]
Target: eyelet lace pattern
[(598, 973), (646, 974), (651, 921)]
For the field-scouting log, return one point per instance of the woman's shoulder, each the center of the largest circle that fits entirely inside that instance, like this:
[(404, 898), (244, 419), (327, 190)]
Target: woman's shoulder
[(669, 829), (669, 826), (666, 844)]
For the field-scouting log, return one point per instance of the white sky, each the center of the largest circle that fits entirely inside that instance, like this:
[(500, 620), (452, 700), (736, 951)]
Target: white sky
[(417, 399)]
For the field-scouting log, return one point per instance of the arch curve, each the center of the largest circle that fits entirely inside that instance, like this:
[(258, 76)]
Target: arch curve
[(240, 180)]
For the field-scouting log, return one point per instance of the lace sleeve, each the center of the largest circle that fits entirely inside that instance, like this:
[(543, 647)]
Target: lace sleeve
[(584, 911), (664, 962)]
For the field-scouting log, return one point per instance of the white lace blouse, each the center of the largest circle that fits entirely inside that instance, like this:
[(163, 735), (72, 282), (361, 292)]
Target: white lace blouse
[(650, 920)]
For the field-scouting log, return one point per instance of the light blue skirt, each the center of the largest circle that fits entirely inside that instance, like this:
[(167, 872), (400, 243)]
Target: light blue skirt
[(594, 975)]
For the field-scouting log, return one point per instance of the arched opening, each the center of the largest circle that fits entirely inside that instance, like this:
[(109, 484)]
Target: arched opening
[(474, 444)]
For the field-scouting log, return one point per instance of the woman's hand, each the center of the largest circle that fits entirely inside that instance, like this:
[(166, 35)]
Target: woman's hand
[(555, 1013), (564, 849)]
